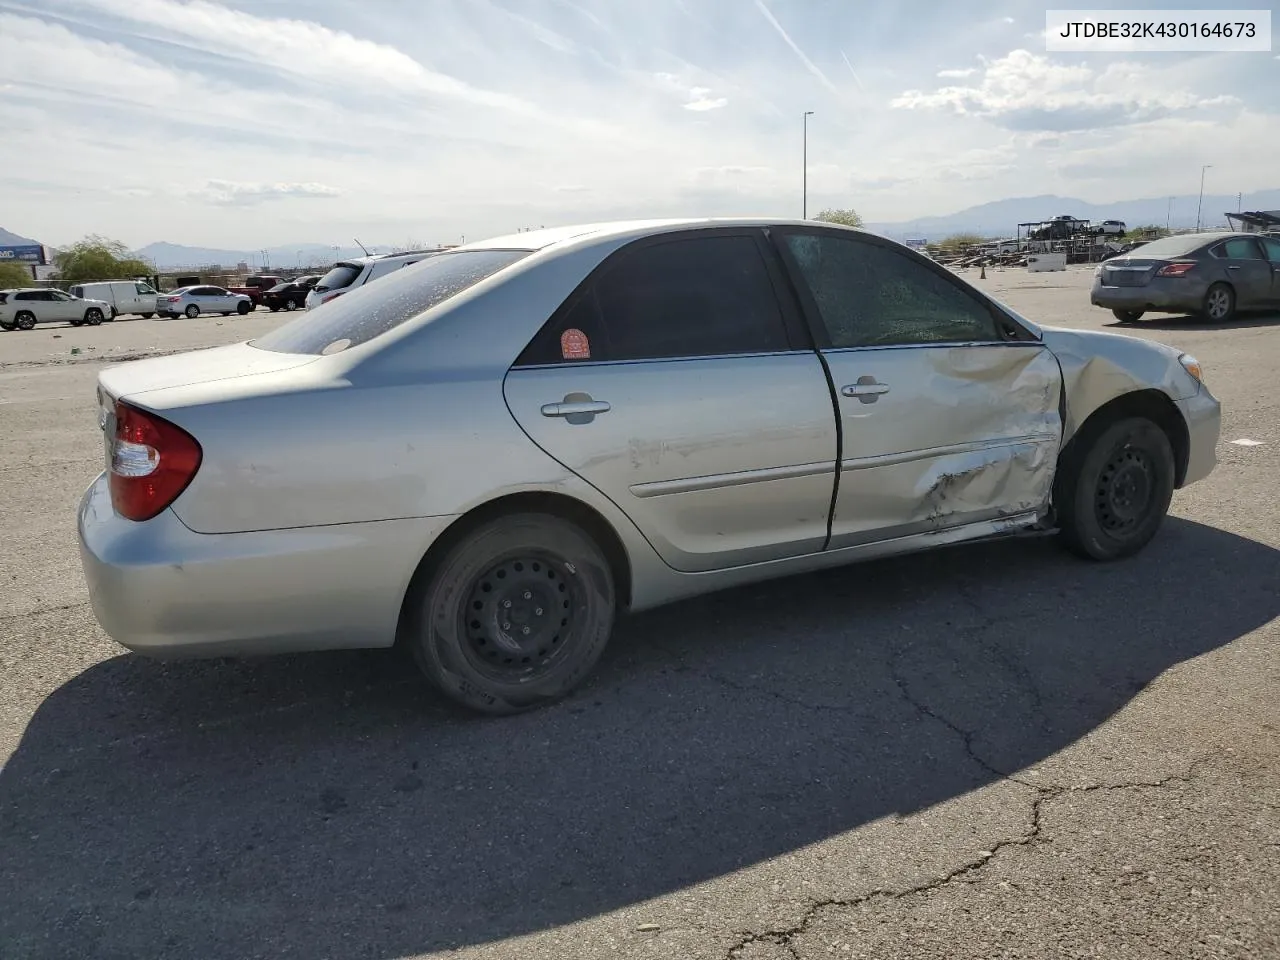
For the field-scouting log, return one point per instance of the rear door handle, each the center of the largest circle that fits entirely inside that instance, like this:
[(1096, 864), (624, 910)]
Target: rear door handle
[(575, 408), (1233, 266)]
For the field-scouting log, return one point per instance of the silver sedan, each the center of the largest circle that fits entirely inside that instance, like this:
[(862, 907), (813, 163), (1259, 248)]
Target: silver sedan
[(488, 456)]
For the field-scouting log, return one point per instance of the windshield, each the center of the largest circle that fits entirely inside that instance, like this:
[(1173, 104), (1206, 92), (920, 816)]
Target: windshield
[(340, 276), (384, 304)]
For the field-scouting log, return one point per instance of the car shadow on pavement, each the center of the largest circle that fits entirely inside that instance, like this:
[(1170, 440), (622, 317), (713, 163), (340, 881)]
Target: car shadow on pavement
[(1242, 321), (329, 806)]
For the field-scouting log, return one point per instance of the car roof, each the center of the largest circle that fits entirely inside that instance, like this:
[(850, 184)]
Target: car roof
[(624, 229)]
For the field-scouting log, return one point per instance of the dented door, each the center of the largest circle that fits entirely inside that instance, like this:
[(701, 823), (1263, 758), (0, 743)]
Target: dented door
[(938, 436)]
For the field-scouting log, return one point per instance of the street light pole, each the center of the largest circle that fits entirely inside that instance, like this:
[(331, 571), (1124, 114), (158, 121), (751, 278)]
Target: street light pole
[(1201, 203), (804, 190)]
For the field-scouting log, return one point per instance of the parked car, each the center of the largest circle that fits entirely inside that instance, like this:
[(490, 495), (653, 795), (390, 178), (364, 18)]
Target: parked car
[(122, 296), (347, 275), (608, 418), (22, 309), (290, 295), (190, 302), (1209, 274), (256, 286)]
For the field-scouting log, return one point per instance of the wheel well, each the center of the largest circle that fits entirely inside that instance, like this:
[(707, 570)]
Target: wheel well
[(558, 505), (1155, 406)]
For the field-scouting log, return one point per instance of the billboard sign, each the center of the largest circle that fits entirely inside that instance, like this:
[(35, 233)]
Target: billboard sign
[(33, 253)]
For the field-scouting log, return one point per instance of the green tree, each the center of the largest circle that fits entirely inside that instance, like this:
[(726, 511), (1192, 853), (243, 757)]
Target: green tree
[(1149, 232), (846, 218), (14, 275), (97, 258), (957, 242)]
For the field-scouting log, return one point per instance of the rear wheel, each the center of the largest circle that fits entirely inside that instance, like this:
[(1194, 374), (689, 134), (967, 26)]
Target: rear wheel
[(515, 615), (25, 320), (1114, 487), (93, 316), (1127, 316), (7, 325), (192, 311), (1219, 303)]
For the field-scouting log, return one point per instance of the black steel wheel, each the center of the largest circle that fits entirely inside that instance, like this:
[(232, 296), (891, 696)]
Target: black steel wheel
[(1114, 487), (1127, 316), (514, 615)]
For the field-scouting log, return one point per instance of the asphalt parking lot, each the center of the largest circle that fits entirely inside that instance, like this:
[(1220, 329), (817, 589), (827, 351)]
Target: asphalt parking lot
[(990, 751)]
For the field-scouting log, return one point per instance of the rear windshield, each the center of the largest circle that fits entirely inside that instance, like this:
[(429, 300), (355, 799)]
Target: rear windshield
[(1171, 246), (373, 309), (339, 277)]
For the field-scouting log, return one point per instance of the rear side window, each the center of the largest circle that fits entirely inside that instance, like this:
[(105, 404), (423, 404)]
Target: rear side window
[(706, 296), (375, 308), (1242, 248), (1272, 246), (339, 277)]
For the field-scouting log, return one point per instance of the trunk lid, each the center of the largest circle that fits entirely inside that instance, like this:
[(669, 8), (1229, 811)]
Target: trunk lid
[(198, 366), (1129, 271)]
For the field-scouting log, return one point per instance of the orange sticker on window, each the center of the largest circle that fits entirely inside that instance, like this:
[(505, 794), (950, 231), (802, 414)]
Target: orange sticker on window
[(574, 345)]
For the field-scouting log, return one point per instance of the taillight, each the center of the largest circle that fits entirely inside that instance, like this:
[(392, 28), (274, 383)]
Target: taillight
[(1175, 270), (152, 461), (173, 299)]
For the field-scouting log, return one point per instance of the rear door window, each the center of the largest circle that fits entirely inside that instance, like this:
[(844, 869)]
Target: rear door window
[(1272, 247), (1242, 248), (375, 308), (696, 297)]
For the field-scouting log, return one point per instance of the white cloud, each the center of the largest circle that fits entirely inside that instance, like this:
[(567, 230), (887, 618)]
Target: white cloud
[(245, 194), (957, 74), (1025, 91), (703, 101)]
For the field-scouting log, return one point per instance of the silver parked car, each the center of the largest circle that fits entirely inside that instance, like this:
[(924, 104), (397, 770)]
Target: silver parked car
[(489, 455), (1209, 274), (190, 302), (23, 309)]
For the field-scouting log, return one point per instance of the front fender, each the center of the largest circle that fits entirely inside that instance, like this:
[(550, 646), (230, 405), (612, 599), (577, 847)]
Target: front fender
[(1098, 367)]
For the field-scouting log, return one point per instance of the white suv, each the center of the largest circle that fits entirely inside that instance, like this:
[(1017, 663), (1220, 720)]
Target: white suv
[(25, 308), (349, 274)]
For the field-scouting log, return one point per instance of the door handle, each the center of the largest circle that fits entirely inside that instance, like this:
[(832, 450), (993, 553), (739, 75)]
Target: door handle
[(1233, 266), (575, 408), (866, 389)]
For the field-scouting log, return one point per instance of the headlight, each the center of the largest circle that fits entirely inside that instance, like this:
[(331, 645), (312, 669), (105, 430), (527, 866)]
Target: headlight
[(1192, 366)]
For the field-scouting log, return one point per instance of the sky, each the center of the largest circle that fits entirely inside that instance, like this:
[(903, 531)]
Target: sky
[(261, 122)]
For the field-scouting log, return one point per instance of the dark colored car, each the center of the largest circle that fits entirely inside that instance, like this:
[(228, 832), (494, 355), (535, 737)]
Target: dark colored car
[(289, 295), (1211, 275)]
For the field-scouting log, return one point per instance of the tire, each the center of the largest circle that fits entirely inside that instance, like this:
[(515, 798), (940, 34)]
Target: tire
[(1219, 303), (147, 316), (114, 313), (1114, 487), (24, 320), (1127, 316), (93, 317), (192, 311), (7, 325), (525, 567), (243, 308), (295, 304), (273, 308), (76, 323)]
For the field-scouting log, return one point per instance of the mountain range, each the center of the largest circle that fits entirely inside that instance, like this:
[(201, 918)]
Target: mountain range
[(998, 218)]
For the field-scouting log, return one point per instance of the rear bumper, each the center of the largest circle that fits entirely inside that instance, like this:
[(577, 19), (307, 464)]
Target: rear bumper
[(1155, 296), (163, 590), (1203, 415)]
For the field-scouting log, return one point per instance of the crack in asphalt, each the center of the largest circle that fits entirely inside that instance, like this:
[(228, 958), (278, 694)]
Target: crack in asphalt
[(1032, 836)]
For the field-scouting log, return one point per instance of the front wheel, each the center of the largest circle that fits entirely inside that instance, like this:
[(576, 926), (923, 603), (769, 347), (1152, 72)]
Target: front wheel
[(1127, 316), (192, 312), (243, 308), (1113, 489), (515, 615), (93, 316), (1219, 303)]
